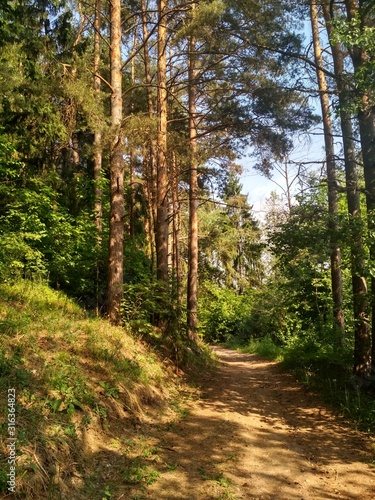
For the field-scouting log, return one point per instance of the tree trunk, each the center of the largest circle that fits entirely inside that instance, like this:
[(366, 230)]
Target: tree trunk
[(97, 157), (116, 222), (176, 223), (150, 160), (336, 275), (75, 151), (98, 210), (162, 175), (74, 194), (359, 285), (192, 284), (366, 120)]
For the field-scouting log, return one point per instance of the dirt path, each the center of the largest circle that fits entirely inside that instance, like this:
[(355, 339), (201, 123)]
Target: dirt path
[(256, 434)]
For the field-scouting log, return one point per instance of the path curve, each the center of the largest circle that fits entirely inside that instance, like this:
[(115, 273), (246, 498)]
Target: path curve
[(257, 434)]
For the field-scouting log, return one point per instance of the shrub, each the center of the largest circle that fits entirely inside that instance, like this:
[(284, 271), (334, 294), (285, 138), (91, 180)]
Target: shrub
[(224, 314)]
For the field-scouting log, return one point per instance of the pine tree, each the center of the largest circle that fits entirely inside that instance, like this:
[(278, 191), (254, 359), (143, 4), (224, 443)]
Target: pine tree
[(116, 222), (360, 16), (192, 285), (359, 285), (335, 253)]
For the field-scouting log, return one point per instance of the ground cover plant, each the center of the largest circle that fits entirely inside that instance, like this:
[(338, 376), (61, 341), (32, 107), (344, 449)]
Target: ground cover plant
[(83, 388)]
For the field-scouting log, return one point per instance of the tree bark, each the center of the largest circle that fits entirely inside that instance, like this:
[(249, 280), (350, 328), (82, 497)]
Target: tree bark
[(98, 210), (97, 156), (150, 159), (192, 284), (359, 285), (176, 227), (116, 222), (162, 229), (75, 151), (335, 255), (366, 120)]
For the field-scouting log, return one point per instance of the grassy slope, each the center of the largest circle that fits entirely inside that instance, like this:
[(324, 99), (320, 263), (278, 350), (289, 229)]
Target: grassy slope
[(83, 391)]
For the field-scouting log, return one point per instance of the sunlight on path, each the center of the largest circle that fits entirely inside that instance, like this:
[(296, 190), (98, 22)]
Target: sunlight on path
[(256, 434)]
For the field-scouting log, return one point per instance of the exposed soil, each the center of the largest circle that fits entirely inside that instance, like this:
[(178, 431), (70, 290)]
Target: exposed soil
[(257, 434)]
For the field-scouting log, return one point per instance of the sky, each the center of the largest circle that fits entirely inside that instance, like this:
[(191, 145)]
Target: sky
[(308, 148), (258, 188)]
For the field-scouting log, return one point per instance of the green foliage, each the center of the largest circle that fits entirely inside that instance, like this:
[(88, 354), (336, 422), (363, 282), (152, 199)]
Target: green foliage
[(355, 33), (203, 18), (110, 392), (265, 347), (40, 238), (19, 260), (300, 245), (137, 264), (46, 222), (138, 473), (144, 299), (224, 313), (316, 353), (107, 493), (230, 247), (18, 257), (358, 34), (48, 100), (3, 481)]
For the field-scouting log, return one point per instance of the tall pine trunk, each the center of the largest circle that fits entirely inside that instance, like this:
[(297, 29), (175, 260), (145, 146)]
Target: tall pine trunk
[(98, 211), (162, 229), (335, 254), (116, 222), (359, 285), (366, 120), (97, 157), (176, 227), (150, 158), (192, 284)]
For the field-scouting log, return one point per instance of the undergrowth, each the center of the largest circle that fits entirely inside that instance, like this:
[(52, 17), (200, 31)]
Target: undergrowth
[(83, 391)]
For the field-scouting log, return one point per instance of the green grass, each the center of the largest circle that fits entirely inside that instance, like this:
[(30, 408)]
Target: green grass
[(264, 347), (75, 376)]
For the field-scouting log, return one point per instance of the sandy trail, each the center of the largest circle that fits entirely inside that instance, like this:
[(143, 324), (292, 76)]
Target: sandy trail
[(257, 434)]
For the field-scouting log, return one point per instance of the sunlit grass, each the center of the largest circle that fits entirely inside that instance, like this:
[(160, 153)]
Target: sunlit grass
[(73, 374)]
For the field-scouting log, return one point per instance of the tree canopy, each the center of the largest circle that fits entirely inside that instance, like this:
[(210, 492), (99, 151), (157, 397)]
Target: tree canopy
[(122, 126)]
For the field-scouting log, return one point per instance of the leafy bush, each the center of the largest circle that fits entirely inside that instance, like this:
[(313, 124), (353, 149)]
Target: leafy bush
[(224, 314), (18, 259), (265, 347), (145, 299), (39, 239), (318, 357)]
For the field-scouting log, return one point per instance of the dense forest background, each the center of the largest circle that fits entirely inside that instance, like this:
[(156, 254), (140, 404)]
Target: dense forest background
[(121, 129)]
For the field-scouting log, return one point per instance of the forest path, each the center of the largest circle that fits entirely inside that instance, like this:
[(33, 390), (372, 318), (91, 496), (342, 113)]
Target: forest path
[(257, 434)]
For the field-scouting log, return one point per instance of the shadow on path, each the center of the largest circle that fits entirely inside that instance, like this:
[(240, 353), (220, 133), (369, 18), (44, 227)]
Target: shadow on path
[(257, 434)]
